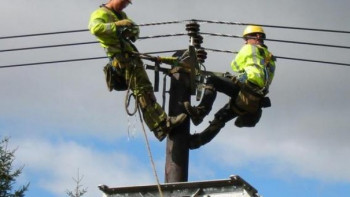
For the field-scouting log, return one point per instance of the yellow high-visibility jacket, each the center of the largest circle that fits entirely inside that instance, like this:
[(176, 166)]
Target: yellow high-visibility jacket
[(255, 64), (102, 25)]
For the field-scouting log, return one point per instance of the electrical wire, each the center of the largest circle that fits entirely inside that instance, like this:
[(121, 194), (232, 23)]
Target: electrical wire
[(43, 34), (274, 26), (48, 46), (76, 60), (83, 43), (173, 35), (184, 21), (275, 40), (286, 58), (208, 49), (52, 62)]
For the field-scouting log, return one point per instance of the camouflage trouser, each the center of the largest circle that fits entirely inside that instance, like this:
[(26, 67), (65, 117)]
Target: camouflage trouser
[(139, 83)]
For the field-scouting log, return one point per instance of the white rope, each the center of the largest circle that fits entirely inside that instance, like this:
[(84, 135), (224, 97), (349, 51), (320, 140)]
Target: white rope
[(150, 154)]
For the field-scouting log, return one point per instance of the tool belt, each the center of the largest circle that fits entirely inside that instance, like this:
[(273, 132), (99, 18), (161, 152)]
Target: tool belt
[(115, 79), (249, 100)]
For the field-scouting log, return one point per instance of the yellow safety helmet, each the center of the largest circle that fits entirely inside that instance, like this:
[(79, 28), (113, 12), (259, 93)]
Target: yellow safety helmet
[(251, 29)]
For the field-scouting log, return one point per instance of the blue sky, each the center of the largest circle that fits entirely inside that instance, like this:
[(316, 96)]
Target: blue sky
[(62, 117)]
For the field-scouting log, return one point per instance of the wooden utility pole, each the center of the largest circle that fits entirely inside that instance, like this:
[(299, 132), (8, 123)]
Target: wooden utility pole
[(177, 151), (181, 88)]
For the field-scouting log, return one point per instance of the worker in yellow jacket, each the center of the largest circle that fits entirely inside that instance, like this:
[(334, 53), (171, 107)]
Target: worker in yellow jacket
[(116, 32), (255, 68)]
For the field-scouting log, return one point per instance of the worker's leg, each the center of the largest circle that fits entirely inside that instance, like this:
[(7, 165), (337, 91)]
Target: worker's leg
[(214, 84), (224, 115), (153, 114)]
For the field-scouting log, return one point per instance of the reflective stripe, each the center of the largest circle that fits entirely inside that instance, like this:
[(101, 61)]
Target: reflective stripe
[(236, 65), (108, 27), (255, 59)]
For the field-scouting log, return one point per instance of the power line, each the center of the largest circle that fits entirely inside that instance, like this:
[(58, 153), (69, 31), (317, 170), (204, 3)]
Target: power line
[(184, 21), (52, 62), (173, 35), (83, 43), (76, 60), (157, 52), (274, 26), (275, 40), (43, 34), (48, 46), (286, 58)]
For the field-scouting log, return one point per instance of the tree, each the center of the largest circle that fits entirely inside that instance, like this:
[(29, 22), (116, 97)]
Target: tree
[(7, 174), (78, 192)]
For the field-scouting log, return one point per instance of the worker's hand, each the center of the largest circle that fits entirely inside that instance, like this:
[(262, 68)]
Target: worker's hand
[(124, 23), (132, 33)]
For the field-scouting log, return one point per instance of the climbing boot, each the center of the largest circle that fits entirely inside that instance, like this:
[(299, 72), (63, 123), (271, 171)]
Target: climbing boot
[(164, 129), (196, 114), (195, 141), (199, 139), (174, 121)]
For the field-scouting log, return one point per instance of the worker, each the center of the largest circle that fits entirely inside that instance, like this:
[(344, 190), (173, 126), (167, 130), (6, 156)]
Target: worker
[(125, 70), (254, 66)]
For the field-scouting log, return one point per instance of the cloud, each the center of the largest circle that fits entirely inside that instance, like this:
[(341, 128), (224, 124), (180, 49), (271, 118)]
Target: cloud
[(320, 155), (55, 164)]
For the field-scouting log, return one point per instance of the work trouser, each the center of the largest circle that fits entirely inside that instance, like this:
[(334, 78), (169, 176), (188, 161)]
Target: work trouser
[(233, 109), (216, 84), (139, 83)]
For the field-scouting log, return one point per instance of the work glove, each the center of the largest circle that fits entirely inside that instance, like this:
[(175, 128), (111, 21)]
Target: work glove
[(124, 23), (131, 33)]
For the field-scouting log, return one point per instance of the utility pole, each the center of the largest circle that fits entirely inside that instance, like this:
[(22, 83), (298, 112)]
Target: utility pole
[(177, 151), (181, 88)]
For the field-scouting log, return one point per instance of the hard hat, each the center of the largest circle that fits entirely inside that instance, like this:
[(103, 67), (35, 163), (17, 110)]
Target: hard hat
[(251, 29)]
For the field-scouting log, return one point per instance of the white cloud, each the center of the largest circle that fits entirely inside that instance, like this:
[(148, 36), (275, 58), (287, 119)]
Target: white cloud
[(55, 164), (320, 156)]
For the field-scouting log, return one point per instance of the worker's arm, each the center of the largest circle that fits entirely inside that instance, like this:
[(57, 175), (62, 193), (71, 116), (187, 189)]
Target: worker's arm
[(100, 24)]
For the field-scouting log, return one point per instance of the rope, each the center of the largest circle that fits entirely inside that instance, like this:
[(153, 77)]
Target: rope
[(127, 102), (150, 153), (137, 109)]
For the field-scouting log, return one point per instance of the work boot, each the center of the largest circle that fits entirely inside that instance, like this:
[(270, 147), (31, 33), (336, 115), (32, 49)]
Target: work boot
[(199, 139), (196, 114), (195, 141), (174, 121), (164, 129)]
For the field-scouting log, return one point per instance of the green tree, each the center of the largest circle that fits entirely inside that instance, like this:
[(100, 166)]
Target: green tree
[(7, 174)]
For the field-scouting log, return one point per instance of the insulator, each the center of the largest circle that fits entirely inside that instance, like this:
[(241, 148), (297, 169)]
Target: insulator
[(197, 41), (192, 33), (201, 55), (192, 28)]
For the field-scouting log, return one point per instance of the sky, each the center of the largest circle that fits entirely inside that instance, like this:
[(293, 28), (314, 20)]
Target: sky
[(62, 119)]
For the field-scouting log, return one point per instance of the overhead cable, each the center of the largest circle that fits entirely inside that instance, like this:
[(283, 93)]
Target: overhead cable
[(43, 34), (48, 46), (275, 40), (172, 35), (184, 21), (90, 42), (273, 26), (208, 49), (286, 58), (76, 60), (52, 62)]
